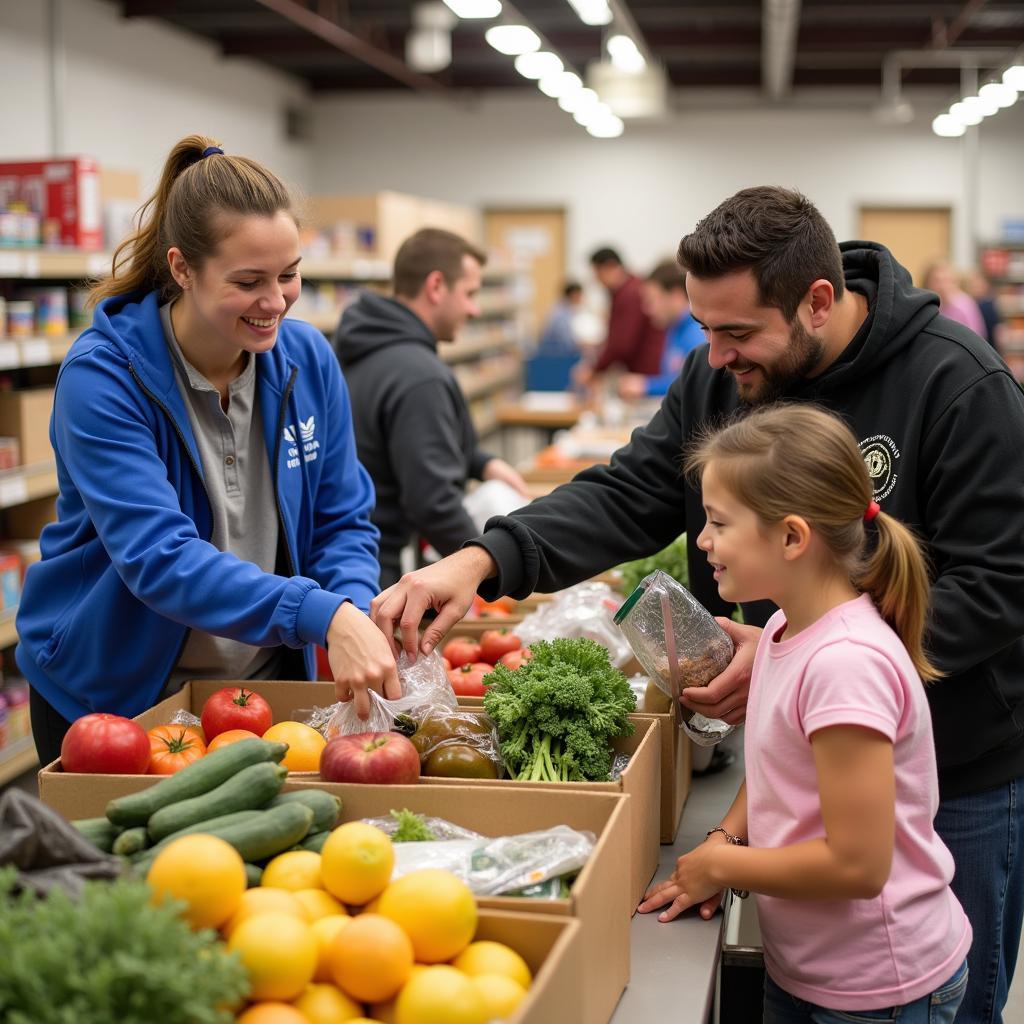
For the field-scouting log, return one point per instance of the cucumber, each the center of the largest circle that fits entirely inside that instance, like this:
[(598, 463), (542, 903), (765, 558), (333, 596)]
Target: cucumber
[(315, 841), (325, 807), (99, 831), (131, 840), (254, 786), (199, 777), (210, 826), (253, 874)]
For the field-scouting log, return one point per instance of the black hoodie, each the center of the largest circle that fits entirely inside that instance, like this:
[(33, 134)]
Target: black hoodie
[(413, 429), (941, 423)]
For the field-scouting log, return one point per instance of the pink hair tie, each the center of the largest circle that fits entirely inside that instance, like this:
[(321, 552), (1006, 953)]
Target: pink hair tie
[(873, 509)]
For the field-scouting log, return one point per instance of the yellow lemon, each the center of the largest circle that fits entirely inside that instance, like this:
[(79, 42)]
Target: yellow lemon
[(263, 900), (318, 903), (488, 957), (327, 1004), (324, 929), (436, 909), (305, 745), (295, 870), (279, 951), (501, 995), (356, 862), (440, 995), (271, 1013)]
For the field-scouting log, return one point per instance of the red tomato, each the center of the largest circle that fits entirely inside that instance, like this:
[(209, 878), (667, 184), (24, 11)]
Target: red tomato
[(468, 680), (496, 642), (460, 651), (105, 743), (172, 747), (514, 659), (235, 707)]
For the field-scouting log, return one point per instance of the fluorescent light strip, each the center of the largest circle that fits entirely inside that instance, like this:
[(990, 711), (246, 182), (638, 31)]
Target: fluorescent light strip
[(512, 40), (474, 8), (592, 12)]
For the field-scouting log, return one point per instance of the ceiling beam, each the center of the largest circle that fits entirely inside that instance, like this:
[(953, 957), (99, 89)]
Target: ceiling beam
[(353, 45), (779, 26)]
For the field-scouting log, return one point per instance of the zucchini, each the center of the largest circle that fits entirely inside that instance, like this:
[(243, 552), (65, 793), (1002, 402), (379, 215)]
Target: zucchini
[(209, 826), (131, 840), (325, 807), (254, 786), (199, 777), (315, 841), (253, 874), (99, 831)]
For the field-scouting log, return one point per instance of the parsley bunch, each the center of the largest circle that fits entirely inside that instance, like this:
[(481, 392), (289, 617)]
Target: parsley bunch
[(558, 713), (671, 560), (113, 956)]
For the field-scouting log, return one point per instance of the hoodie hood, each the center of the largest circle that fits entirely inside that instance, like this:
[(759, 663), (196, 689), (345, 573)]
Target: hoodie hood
[(374, 322)]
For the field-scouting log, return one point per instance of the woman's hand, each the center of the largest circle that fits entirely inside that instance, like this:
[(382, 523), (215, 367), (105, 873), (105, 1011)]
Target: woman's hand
[(361, 659), (725, 697), (691, 883)]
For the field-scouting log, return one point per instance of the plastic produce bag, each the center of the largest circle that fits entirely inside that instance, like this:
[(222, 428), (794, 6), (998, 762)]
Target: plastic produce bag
[(491, 867), (588, 610), (679, 644), (493, 498), (441, 827), (457, 743)]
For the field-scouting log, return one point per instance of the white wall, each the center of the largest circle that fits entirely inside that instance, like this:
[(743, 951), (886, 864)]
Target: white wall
[(132, 88), (647, 188)]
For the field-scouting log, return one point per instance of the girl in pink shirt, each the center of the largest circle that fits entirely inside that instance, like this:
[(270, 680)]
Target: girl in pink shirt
[(832, 827)]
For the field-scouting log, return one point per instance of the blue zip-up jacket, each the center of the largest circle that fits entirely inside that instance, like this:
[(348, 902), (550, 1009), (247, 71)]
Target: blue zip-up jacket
[(128, 569)]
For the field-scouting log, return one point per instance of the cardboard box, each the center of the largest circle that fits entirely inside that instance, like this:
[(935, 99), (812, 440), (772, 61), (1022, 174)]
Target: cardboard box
[(28, 519), (26, 416), (65, 193), (676, 751)]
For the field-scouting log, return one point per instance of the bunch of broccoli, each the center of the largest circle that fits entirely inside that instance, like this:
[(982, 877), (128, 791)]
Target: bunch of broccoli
[(557, 713)]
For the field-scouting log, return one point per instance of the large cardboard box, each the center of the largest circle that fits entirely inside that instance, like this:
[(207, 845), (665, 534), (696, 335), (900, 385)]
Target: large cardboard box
[(26, 416), (676, 767)]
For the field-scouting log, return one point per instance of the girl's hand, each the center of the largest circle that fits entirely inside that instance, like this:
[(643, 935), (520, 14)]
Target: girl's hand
[(688, 885), (361, 659), (725, 697)]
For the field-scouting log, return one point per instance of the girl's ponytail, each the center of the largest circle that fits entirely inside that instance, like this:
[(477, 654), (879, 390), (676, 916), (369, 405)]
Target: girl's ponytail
[(896, 577)]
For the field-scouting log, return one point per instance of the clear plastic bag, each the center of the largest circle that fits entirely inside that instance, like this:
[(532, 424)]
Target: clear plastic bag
[(442, 828), (588, 610), (452, 741), (491, 867), (183, 717), (425, 685), (679, 644)]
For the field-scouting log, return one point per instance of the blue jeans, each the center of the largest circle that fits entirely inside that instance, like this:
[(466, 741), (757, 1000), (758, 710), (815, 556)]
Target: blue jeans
[(984, 832), (937, 1008)]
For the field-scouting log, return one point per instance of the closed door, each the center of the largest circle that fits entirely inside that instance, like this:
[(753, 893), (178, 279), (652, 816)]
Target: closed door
[(916, 236), (533, 240)]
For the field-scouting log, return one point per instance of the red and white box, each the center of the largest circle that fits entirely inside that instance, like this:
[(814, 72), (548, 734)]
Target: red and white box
[(65, 193)]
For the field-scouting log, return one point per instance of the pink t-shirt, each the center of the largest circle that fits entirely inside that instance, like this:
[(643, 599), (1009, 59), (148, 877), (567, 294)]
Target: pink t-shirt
[(850, 668)]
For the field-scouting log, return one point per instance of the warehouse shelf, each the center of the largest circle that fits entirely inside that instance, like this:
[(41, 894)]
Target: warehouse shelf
[(18, 758), (16, 353), (26, 483), (53, 264)]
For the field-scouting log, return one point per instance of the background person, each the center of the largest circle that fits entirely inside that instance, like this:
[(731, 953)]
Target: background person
[(954, 302), (212, 517)]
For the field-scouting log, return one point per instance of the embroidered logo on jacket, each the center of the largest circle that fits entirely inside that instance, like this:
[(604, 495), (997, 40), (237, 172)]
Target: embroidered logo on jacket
[(306, 437), (880, 456)]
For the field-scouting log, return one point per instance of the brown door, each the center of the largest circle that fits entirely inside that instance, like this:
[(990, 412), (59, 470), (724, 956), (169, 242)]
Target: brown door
[(916, 236), (532, 240)]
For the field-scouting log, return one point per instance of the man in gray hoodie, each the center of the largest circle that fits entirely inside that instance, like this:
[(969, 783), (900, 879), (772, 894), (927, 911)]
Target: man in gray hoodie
[(413, 428)]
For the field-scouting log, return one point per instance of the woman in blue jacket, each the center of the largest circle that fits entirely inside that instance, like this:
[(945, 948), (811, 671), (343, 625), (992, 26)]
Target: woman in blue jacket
[(213, 519)]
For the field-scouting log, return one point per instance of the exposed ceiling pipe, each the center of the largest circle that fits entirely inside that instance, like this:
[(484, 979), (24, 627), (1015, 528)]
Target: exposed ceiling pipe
[(780, 21), (944, 35), (353, 45)]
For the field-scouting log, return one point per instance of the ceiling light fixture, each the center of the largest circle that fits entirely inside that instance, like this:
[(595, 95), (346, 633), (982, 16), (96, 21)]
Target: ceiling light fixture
[(999, 93), (966, 113), (1014, 77), (512, 40), (625, 55), (592, 12), (572, 102), (948, 127), (538, 65), (475, 8), (609, 127), (560, 84)]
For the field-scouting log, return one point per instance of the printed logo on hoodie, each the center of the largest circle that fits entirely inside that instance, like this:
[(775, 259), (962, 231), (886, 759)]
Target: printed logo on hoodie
[(880, 456), (306, 435)]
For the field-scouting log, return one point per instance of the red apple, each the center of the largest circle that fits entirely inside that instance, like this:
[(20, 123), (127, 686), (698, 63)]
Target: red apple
[(387, 758)]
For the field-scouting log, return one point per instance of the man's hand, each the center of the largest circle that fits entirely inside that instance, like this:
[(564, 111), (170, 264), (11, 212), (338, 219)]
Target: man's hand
[(582, 373), (632, 386), (499, 469), (725, 697), (447, 586), (688, 885), (360, 659)]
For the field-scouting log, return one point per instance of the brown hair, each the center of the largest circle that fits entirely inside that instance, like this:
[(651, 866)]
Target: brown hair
[(786, 460), (668, 275), (428, 250), (183, 212), (775, 232)]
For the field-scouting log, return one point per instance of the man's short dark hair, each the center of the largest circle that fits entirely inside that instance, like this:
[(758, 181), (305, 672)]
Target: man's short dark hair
[(777, 233), (601, 257), (668, 276), (571, 288), (428, 250)]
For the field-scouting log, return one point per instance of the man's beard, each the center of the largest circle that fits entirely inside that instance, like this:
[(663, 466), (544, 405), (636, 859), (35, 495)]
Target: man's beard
[(803, 353)]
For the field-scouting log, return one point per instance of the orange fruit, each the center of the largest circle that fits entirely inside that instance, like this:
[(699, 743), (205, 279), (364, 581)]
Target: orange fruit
[(501, 995), (231, 736), (440, 995), (318, 903), (435, 909), (271, 1013), (263, 900), (279, 951), (326, 1004), (384, 1013), (324, 929), (305, 745), (356, 862), (371, 958), (205, 872), (294, 870), (488, 957)]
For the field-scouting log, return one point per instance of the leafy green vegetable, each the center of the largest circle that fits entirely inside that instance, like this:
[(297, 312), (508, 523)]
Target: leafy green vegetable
[(412, 827), (112, 957), (557, 713), (671, 560)]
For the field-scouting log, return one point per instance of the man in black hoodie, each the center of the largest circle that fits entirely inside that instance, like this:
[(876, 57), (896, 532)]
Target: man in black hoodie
[(940, 419), (413, 429)]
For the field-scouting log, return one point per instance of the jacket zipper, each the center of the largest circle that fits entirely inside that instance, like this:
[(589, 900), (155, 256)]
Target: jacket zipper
[(277, 468)]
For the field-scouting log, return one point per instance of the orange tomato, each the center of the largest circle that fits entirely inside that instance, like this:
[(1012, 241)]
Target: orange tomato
[(172, 747), (231, 736)]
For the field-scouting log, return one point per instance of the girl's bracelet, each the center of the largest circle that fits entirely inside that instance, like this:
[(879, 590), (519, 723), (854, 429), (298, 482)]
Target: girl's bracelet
[(732, 841)]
